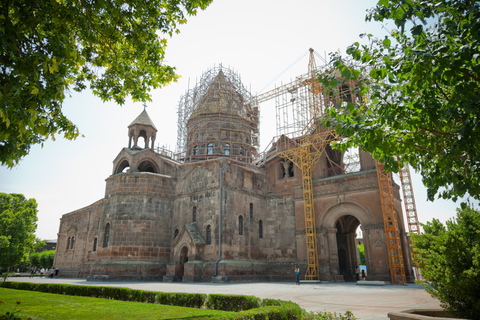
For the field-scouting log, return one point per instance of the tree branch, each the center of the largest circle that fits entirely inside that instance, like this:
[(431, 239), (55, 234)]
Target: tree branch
[(441, 90)]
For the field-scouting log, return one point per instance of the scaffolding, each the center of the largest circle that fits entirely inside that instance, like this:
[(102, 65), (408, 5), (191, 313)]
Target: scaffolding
[(214, 119)]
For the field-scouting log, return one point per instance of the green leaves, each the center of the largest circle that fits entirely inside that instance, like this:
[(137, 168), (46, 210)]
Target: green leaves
[(50, 47), (18, 222), (451, 261), (422, 90)]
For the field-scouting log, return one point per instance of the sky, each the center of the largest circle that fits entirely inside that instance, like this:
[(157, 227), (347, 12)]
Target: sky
[(260, 39)]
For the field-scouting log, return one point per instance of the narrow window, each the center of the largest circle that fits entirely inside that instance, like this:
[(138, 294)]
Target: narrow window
[(175, 234), (240, 225), (260, 229), (227, 149), (209, 235), (106, 236), (282, 170), (195, 150), (194, 214), (68, 243), (95, 244), (290, 170), (251, 210), (72, 243), (210, 148)]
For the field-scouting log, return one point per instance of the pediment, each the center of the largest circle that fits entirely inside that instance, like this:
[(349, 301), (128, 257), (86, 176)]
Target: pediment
[(189, 234)]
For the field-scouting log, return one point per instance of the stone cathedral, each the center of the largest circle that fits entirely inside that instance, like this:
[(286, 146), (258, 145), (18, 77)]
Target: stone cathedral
[(217, 212)]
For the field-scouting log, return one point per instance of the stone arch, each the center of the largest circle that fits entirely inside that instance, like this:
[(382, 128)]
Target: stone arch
[(148, 166), (183, 258), (342, 218), (334, 210), (121, 166)]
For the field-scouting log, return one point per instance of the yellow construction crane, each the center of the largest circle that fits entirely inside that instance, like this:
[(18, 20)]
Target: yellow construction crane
[(306, 148)]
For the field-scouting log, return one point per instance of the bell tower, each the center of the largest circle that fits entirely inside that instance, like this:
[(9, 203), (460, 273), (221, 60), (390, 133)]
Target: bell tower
[(143, 127)]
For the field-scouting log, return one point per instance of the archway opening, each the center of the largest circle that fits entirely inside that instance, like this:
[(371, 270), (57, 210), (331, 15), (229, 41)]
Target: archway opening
[(122, 167), (147, 166), (347, 246), (183, 260)]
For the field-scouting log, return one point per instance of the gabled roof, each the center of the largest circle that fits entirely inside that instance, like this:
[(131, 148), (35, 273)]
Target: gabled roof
[(143, 119)]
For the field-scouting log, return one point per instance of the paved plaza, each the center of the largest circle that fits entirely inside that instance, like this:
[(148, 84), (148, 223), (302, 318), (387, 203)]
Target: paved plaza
[(365, 301)]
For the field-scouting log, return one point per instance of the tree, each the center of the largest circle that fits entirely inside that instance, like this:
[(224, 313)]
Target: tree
[(361, 250), (49, 47), (18, 222), (451, 262), (421, 93), (46, 258)]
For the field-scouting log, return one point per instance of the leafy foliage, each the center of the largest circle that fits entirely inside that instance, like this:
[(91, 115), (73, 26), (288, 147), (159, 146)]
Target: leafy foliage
[(451, 262), (420, 88), (49, 47), (42, 259), (325, 315), (18, 222), (230, 302), (361, 250)]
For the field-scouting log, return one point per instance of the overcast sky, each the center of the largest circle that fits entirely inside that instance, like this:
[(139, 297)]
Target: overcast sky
[(257, 38)]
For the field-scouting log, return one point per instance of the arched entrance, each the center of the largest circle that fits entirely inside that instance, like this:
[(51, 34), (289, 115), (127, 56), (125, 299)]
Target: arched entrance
[(183, 260), (348, 257)]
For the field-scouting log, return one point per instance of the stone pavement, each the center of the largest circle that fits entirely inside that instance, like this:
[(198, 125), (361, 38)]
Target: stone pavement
[(365, 301)]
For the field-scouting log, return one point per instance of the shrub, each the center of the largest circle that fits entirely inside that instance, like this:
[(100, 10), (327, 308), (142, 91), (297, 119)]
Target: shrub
[(451, 262), (235, 303), (325, 315), (190, 300)]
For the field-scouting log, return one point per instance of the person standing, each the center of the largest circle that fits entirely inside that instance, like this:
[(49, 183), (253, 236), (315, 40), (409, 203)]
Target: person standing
[(357, 273), (297, 275)]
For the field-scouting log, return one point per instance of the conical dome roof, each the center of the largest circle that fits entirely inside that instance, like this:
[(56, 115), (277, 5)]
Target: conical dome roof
[(143, 119), (221, 97)]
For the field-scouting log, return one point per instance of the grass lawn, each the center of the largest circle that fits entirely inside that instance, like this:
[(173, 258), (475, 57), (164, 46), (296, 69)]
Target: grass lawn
[(38, 305)]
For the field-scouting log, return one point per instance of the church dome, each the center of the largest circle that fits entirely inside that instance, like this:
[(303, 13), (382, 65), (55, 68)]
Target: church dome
[(216, 121), (221, 97)]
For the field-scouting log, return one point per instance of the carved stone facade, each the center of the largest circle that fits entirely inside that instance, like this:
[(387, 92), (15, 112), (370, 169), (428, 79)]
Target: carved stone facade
[(221, 217)]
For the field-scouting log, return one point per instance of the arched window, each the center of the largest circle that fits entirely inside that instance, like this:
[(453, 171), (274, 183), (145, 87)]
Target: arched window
[(227, 149), (251, 210), (208, 235), (210, 148), (290, 170), (106, 236), (95, 244), (194, 214), (282, 170), (260, 229), (175, 234), (72, 243), (68, 243), (240, 225)]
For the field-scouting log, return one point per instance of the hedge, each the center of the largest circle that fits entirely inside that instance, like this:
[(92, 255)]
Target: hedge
[(248, 307), (230, 302)]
